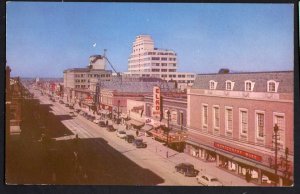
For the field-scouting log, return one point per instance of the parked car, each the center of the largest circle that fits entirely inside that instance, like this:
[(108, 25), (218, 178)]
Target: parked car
[(91, 118), (129, 138), (71, 107), (121, 134), (72, 114), (102, 124), (61, 102), (187, 169), (67, 105), (138, 143), (110, 128), (96, 121), (208, 180)]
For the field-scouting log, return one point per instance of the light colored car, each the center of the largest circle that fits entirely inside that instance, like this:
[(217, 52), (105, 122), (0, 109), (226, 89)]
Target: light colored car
[(72, 114), (121, 134), (208, 180), (96, 121)]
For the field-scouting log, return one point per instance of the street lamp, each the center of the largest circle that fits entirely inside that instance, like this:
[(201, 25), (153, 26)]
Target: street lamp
[(168, 129), (118, 122), (276, 129)]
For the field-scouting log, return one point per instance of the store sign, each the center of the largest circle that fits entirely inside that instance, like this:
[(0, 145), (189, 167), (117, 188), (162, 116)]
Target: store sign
[(237, 151), (156, 102)]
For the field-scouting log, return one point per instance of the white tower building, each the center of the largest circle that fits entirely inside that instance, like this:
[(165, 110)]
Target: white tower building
[(147, 61)]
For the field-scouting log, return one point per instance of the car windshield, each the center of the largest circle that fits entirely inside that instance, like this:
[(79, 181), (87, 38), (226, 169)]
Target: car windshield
[(122, 132), (214, 180)]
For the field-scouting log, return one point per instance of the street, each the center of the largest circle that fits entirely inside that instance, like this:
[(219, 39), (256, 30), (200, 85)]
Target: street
[(154, 157)]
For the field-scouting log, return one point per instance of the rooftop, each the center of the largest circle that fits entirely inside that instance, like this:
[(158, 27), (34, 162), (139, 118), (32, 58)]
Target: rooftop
[(285, 79)]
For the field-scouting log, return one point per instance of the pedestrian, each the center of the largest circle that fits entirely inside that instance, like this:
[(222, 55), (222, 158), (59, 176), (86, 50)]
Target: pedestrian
[(137, 132), (106, 123)]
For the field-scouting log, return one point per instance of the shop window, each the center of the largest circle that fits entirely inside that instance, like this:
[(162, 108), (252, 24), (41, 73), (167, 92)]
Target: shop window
[(243, 123)]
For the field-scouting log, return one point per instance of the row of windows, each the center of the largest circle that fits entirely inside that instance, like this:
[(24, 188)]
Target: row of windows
[(80, 86), (272, 86), (159, 53), (163, 58), (260, 129)]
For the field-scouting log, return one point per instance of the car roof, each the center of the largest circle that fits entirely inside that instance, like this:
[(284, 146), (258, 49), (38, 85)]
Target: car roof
[(186, 163), (208, 176)]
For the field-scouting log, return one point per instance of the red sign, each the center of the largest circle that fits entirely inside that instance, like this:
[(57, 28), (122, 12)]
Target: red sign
[(105, 107), (237, 151), (156, 102)]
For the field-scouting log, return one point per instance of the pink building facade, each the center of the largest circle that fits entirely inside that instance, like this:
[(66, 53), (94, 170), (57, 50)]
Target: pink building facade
[(231, 119)]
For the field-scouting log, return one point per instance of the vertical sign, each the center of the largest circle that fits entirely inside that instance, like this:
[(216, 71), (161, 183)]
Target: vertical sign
[(156, 102)]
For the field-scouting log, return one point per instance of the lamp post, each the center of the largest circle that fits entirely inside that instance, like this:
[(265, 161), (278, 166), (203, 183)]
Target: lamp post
[(276, 129), (118, 111), (168, 129)]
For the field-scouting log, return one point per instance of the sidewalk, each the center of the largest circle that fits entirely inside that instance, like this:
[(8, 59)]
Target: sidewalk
[(207, 167)]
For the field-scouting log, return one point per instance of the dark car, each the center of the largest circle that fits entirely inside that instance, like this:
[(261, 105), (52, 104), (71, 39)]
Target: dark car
[(102, 124), (138, 143), (129, 138), (110, 128), (91, 118), (187, 169), (61, 102), (71, 107)]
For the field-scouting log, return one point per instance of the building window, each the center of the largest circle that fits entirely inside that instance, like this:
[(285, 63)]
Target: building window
[(204, 116), (212, 85), (249, 85), (279, 119), (272, 86), (229, 85), (216, 117), (155, 58), (173, 116), (243, 123), (260, 124), (181, 118), (228, 121)]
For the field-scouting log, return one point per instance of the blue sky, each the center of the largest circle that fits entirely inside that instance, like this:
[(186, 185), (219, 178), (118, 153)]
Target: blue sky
[(43, 39)]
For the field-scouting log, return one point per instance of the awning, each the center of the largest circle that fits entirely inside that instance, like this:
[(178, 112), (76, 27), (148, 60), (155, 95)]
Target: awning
[(147, 127), (200, 145), (136, 123), (229, 156)]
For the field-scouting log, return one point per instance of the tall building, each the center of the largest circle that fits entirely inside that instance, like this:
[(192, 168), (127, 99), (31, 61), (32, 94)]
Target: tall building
[(148, 61), (231, 120), (84, 79)]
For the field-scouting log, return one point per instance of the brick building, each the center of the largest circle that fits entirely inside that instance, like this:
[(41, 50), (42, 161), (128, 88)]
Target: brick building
[(231, 119)]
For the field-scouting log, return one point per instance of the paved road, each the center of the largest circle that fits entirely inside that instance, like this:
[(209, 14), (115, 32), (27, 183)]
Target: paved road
[(152, 158)]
